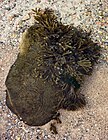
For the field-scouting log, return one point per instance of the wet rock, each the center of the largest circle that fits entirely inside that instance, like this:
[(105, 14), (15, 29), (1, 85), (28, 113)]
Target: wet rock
[(49, 69)]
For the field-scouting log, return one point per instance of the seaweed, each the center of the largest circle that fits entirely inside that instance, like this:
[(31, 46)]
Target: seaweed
[(51, 65), (53, 128), (66, 49)]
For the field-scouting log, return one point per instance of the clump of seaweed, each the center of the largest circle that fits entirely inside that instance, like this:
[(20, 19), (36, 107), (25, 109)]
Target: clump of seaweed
[(68, 53), (51, 65)]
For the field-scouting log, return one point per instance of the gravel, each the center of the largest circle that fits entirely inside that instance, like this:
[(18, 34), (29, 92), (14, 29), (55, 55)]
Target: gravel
[(88, 124)]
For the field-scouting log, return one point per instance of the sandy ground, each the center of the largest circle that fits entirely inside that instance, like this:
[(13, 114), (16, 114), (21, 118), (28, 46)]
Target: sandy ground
[(87, 124)]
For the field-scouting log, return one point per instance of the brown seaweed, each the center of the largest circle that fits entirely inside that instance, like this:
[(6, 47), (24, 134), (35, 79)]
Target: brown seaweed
[(50, 67)]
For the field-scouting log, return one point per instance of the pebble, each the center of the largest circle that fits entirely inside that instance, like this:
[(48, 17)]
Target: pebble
[(38, 130)]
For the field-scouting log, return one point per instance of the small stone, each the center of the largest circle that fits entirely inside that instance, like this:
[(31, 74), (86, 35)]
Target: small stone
[(18, 138), (10, 18), (38, 130)]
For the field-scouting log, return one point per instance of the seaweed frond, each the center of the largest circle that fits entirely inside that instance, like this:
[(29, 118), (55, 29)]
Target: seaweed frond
[(63, 49)]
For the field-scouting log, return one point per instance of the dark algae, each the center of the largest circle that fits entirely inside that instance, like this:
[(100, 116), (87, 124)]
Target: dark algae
[(49, 70), (53, 128)]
